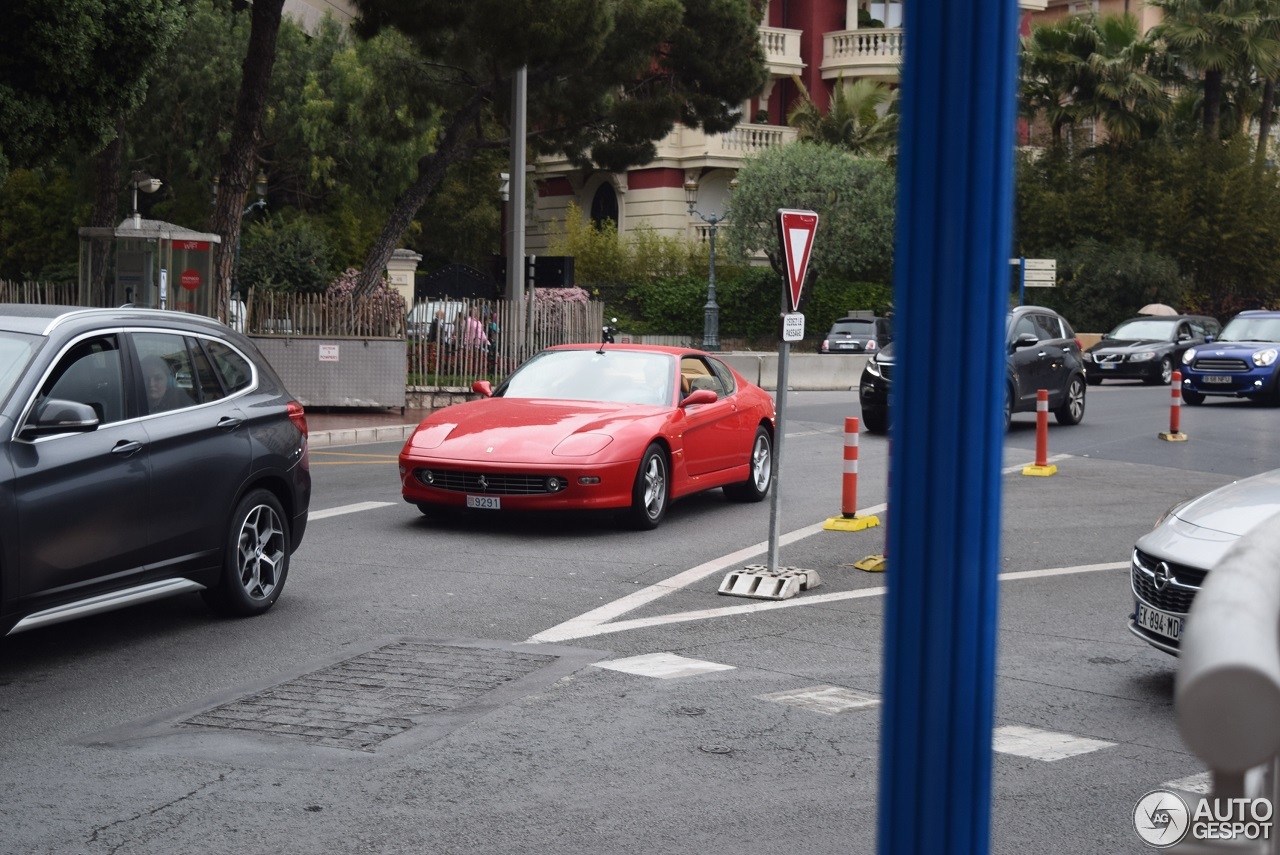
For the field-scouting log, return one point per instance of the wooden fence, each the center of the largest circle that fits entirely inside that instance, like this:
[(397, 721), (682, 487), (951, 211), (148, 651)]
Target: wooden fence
[(47, 293)]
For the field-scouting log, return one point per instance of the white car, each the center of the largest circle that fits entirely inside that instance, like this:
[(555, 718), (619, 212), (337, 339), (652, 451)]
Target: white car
[(1170, 562)]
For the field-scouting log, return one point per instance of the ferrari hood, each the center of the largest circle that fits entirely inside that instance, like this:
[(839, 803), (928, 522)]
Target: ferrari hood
[(526, 430)]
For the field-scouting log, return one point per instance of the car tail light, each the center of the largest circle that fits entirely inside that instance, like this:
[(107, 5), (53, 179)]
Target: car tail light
[(825, 345), (298, 416), (1078, 344), (871, 344)]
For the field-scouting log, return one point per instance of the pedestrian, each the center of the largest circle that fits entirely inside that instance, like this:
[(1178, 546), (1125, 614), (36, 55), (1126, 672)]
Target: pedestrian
[(473, 334)]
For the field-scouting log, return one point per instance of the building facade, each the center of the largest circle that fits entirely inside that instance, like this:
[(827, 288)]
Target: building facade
[(818, 41)]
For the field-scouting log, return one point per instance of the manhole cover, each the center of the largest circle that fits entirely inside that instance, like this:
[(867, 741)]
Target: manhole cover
[(359, 702)]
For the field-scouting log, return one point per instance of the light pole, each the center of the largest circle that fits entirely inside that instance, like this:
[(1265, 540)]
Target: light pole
[(711, 319), (144, 182)]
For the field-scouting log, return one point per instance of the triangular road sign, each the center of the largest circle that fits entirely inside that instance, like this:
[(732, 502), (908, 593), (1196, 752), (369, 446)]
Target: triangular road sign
[(795, 232)]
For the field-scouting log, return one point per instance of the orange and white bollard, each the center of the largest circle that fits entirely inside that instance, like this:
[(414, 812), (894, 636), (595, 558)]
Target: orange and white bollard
[(1042, 466), (1175, 433), (849, 519)]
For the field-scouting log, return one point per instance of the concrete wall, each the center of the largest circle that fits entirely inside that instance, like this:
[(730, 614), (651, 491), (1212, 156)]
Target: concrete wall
[(805, 371)]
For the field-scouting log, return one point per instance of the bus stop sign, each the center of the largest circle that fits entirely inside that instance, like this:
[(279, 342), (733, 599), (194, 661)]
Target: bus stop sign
[(795, 233)]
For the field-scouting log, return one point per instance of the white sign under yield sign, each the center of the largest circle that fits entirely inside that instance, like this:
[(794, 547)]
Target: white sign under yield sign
[(795, 231)]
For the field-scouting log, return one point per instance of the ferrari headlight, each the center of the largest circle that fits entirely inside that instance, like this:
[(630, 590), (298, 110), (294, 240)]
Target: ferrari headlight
[(873, 368), (1144, 356), (1264, 358), (1188, 355)]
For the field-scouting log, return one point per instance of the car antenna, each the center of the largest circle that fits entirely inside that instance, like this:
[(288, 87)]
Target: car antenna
[(606, 334)]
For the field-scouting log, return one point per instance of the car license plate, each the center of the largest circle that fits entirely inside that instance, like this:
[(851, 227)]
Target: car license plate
[(1159, 622), (487, 503), (1215, 378), (1106, 366)]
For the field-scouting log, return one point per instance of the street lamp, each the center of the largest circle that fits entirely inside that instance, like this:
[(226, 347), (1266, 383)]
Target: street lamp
[(260, 189), (711, 320), (144, 182)]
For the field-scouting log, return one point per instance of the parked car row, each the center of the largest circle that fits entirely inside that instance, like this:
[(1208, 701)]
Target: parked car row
[(1042, 353)]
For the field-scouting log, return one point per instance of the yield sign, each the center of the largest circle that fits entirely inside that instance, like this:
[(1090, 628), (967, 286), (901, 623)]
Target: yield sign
[(795, 231)]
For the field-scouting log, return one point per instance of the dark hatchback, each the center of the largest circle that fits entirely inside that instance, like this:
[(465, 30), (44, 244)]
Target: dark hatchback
[(1043, 353), (1244, 362), (857, 335), (143, 454), (1147, 348)]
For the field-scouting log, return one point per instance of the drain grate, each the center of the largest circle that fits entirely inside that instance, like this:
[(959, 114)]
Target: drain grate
[(360, 702)]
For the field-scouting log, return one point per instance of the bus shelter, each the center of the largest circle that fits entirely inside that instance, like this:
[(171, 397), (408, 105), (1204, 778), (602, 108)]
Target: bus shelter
[(148, 263)]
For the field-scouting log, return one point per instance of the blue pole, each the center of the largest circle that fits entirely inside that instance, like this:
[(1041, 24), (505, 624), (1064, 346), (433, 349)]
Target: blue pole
[(951, 298)]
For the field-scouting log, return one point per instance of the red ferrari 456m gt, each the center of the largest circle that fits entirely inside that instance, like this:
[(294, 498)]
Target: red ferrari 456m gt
[(631, 427)]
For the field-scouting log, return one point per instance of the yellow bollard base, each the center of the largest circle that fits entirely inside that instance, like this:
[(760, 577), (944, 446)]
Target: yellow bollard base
[(871, 564), (843, 523), (1173, 437), (1042, 471)]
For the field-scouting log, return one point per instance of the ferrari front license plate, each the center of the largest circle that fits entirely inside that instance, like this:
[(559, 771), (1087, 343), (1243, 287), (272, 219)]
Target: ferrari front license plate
[(1215, 378), (1159, 622), (487, 503)]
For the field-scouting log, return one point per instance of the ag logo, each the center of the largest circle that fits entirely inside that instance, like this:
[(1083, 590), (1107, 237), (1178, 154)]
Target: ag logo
[(1161, 818)]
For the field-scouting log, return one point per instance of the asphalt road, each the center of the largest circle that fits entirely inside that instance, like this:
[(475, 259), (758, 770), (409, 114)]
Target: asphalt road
[(474, 648)]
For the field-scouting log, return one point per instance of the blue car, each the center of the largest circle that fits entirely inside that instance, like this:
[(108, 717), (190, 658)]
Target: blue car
[(1243, 362)]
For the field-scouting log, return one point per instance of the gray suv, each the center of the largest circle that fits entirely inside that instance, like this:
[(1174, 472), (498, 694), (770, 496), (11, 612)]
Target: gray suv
[(143, 453)]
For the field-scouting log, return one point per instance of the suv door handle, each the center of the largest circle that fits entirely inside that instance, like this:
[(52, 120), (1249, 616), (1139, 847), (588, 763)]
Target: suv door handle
[(229, 422), (126, 448)]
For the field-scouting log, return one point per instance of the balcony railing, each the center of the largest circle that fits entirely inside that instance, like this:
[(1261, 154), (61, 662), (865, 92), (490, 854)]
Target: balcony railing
[(873, 52), (781, 50)]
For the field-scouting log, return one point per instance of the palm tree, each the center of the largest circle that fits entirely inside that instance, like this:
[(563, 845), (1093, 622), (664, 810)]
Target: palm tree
[(1117, 90), (854, 120), (1052, 63), (1215, 39)]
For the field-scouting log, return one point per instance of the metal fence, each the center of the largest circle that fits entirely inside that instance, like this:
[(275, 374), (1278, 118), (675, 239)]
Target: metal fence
[(452, 342), (455, 342)]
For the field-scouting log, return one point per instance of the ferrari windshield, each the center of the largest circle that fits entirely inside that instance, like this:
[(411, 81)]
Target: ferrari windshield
[(617, 376), (1251, 329)]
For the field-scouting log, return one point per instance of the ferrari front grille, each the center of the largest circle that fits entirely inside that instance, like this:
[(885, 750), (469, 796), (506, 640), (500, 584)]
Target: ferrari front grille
[(490, 483)]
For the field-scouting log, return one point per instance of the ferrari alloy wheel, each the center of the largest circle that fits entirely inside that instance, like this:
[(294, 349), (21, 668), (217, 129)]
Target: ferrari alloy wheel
[(256, 561), (756, 487), (649, 495)]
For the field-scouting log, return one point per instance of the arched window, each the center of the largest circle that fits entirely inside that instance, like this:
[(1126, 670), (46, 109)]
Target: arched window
[(604, 205)]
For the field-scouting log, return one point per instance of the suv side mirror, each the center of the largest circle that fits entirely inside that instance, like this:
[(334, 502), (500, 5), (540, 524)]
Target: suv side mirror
[(56, 415), (1024, 340)]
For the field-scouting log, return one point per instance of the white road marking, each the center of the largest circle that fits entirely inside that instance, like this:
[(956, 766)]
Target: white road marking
[(828, 700), (664, 666), (1042, 744), (603, 620), (1202, 784), (347, 509)]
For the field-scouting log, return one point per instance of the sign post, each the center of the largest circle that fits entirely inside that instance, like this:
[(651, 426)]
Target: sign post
[(770, 581)]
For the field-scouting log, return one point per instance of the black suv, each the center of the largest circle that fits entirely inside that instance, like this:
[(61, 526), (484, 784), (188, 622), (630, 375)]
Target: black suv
[(1147, 348), (1043, 353), (857, 335)]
